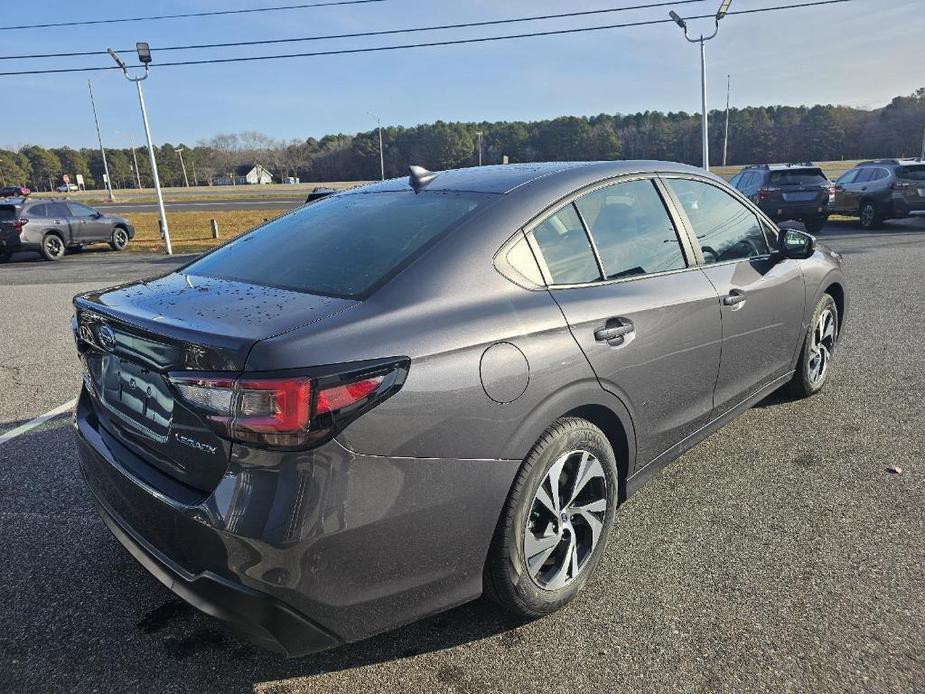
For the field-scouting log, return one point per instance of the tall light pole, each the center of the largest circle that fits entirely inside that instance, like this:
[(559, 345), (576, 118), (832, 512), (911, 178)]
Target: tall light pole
[(479, 133), (183, 166), (723, 10), (144, 56), (726, 132), (100, 139), (381, 155)]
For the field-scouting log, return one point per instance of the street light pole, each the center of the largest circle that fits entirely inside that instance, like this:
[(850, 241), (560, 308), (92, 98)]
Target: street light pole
[(183, 166), (144, 55), (479, 133), (726, 133), (381, 154), (723, 9), (99, 137)]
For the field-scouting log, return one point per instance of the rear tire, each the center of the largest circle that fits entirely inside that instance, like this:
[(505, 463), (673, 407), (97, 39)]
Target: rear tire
[(813, 366), (814, 226), (52, 247), (119, 239), (871, 217), (563, 533)]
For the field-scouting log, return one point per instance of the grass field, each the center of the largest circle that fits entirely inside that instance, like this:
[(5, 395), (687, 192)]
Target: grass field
[(190, 232)]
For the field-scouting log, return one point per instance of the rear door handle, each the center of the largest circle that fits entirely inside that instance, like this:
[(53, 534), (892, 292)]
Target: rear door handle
[(615, 332), (734, 298)]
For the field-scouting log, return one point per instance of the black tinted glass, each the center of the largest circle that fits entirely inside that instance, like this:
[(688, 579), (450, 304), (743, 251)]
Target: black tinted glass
[(916, 172), (342, 245), (38, 211), (797, 177), (632, 230), (57, 209), (565, 248), (849, 177), (7, 212), (865, 175), (726, 229)]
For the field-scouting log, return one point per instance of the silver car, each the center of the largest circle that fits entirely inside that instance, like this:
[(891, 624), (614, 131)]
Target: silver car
[(52, 227), (401, 396)]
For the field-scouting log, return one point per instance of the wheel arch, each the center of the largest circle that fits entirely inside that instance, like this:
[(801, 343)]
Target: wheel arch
[(837, 291), (610, 423)]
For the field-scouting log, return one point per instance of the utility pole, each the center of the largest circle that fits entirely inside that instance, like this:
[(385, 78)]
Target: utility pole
[(381, 154), (144, 56), (479, 133), (183, 166), (922, 156), (726, 134), (100, 138), (723, 10)]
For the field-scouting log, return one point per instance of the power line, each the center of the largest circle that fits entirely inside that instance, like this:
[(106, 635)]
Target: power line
[(364, 34), (456, 42), (188, 15)]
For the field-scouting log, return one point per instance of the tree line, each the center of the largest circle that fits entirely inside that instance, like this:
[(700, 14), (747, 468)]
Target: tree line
[(756, 134)]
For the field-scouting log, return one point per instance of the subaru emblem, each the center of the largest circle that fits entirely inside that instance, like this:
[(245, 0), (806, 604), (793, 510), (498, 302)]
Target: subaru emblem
[(106, 336)]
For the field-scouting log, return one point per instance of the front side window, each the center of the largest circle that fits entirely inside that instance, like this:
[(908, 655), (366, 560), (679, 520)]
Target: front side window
[(565, 249), (632, 230), (726, 229), (78, 210), (343, 245)]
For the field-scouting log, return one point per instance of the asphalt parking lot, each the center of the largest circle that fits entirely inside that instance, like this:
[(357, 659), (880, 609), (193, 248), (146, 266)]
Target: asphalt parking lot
[(778, 555)]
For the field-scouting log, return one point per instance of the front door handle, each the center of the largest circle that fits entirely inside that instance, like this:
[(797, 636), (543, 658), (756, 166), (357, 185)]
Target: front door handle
[(735, 299), (615, 332)]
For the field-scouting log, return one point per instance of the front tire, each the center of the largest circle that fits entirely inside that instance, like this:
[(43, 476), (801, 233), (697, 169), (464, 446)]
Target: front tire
[(871, 217), (52, 247), (119, 239), (813, 366), (553, 529)]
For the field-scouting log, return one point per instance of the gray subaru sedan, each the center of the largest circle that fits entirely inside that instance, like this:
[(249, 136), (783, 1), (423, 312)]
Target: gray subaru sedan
[(408, 394)]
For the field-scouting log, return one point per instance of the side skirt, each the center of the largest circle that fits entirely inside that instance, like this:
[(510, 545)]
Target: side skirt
[(646, 473)]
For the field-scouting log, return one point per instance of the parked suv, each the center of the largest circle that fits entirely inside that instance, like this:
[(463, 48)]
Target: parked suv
[(788, 191), (14, 192), (379, 405), (882, 189), (51, 227)]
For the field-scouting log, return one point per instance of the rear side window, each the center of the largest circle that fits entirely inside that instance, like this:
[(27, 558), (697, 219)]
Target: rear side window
[(632, 230), (38, 211), (343, 245), (797, 177), (565, 249), (726, 229), (849, 177), (916, 172)]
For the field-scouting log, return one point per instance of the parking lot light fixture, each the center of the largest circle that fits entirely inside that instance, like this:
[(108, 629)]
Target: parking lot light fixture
[(702, 39), (144, 56)]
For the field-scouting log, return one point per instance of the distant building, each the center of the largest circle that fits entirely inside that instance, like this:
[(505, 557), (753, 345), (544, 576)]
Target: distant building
[(246, 175)]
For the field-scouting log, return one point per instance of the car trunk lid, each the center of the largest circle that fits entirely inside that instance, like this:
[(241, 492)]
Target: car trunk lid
[(131, 337)]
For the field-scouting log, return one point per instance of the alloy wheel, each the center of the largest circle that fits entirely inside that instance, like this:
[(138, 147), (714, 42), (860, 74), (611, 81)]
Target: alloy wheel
[(867, 215), (823, 341), (54, 246), (119, 238), (566, 520)]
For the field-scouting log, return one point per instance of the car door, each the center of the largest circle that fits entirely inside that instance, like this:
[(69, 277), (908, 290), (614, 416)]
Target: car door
[(645, 317), (842, 192), (88, 225), (761, 296), (59, 216)]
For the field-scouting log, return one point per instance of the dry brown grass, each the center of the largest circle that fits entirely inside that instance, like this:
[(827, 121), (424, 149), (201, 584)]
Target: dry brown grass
[(190, 232)]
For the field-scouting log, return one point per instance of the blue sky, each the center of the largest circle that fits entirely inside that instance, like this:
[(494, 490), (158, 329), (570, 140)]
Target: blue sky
[(861, 53)]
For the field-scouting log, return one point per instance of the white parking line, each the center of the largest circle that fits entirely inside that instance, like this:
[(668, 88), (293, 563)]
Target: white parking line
[(32, 423)]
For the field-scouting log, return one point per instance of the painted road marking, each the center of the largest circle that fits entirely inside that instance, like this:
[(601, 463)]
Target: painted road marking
[(32, 423)]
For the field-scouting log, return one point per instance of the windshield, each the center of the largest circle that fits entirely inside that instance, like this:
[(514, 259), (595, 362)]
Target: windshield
[(798, 177), (342, 245), (916, 172)]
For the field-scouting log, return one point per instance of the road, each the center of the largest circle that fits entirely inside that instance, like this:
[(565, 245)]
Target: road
[(778, 555)]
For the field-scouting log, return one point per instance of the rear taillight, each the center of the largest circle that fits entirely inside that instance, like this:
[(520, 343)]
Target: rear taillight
[(766, 193), (288, 412), (831, 191), (18, 223), (902, 185)]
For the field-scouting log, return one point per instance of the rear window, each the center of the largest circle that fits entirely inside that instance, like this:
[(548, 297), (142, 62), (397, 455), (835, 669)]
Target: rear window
[(797, 177), (916, 172), (343, 245), (7, 212)]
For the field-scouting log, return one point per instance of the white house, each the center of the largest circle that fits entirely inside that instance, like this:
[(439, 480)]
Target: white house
[(246, 175)]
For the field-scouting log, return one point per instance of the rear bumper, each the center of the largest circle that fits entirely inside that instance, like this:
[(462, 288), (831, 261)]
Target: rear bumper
[(903, 207), (304, 551), (799, 211)]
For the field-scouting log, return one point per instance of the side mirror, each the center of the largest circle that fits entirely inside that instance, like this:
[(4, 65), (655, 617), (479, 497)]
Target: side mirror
[(795, 244), (98, 215)]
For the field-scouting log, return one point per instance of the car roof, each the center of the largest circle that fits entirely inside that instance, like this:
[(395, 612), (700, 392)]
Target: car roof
[(781, 167), (506, 178), (891, 162)]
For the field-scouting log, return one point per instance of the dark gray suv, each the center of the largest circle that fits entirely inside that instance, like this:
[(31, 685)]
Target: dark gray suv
[(52, 227), (401, 396), (799, 192), (882, 189)]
